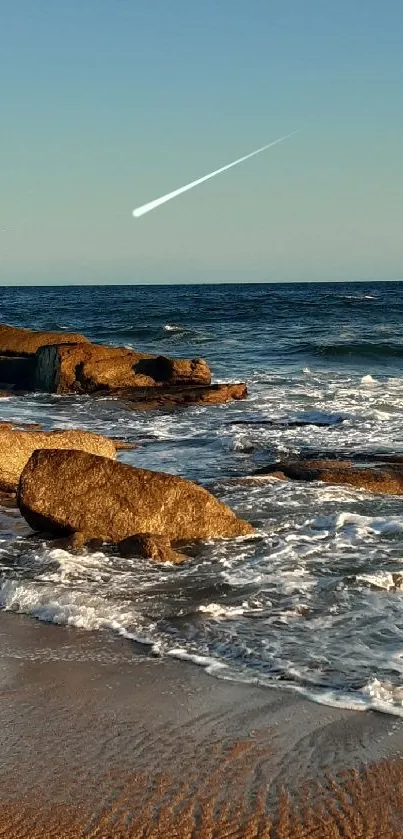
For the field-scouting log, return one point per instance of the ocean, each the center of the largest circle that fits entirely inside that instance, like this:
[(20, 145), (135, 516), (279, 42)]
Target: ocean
[(309, 603)]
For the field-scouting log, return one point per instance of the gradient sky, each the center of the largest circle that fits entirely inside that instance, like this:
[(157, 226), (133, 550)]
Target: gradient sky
[(107, 104)]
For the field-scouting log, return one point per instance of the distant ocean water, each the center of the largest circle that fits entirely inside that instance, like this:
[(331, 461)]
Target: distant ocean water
[(309, 603)]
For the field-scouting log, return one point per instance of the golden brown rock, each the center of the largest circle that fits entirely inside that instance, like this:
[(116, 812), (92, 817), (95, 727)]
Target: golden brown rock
[(123, 445), (147, 399), (380, 477), (178, 371), (90, 368), (151, 546), (16, 447), (73, 492), (23, 342)]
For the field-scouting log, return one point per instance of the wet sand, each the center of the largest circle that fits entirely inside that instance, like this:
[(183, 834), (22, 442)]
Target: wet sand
[(98, 740)]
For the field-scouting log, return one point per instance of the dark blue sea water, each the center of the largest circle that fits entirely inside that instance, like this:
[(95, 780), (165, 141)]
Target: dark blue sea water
[(311, 602)]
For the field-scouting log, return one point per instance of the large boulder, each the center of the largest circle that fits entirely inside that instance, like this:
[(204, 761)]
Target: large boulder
[(63, 492), (16, 447), (25, 342), (90, 368)]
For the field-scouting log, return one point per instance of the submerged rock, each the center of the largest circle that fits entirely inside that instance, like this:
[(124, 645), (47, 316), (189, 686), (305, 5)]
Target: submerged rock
[(150, 546), (383, 475), (16, 447), (148, 399), (64, 492)]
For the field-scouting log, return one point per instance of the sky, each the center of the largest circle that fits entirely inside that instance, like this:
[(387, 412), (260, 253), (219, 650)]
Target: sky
[(108, 104)]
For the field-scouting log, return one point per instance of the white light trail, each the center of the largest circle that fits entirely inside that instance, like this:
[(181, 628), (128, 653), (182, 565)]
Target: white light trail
[(152, 205)]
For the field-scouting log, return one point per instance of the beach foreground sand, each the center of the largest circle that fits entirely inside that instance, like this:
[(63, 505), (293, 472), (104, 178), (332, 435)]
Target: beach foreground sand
[(99, 741)]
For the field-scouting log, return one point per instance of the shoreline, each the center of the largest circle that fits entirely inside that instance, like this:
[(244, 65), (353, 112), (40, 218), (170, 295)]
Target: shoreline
[(99, 740)]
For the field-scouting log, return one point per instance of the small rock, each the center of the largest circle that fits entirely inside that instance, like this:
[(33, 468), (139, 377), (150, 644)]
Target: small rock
[(151, 546)]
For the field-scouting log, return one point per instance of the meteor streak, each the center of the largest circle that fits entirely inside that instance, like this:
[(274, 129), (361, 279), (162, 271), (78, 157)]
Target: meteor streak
[(152, 205)]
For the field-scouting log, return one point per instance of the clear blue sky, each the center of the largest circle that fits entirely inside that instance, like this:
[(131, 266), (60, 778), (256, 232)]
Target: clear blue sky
[(106, 104)]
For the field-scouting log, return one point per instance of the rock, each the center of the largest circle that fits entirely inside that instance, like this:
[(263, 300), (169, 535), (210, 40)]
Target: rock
[(74, 543), (16, 447), (8, 498), (64, 492), (92, 368), (330, 422), (148, 399), (179, 371), (26, 342), (61, 362), (22, 426), (151, 546), (123, 445), (384, 477), (280, 476)]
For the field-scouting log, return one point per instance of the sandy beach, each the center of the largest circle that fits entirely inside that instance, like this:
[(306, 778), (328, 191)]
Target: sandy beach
[(98, 740)]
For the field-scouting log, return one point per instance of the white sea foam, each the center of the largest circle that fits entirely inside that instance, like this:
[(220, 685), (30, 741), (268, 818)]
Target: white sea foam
[(172, 327), (68, 608), (382, 579), (218, 610), (212, 665), (370, 524)]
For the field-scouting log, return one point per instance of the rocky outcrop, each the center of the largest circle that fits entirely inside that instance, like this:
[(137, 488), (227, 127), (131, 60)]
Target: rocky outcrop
[(16, 447), (148, 399), (91, 368), (65, 492), (18, 349), (63, 363), (25, 342), (151, 546), (379, 474)]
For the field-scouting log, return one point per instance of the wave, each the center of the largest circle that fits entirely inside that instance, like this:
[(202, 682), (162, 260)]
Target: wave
[(154, 333), (354, 350), (171, 327), (359, 297), (374, 695)]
